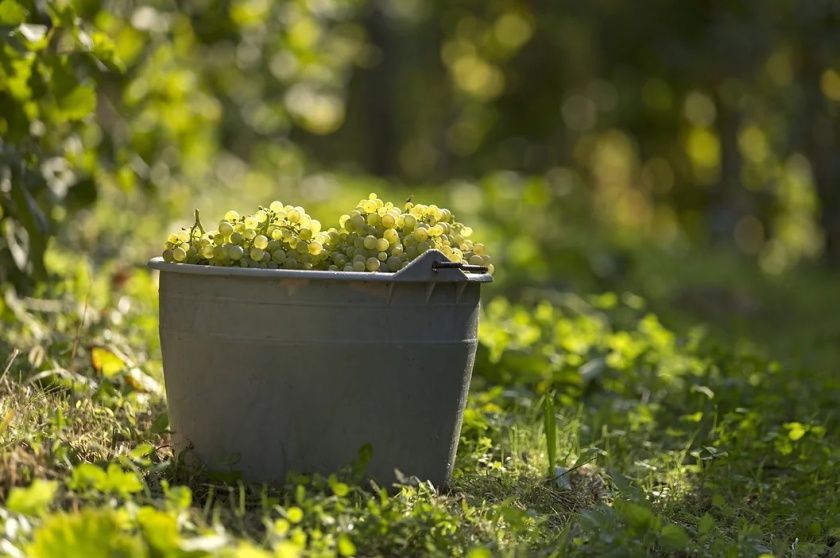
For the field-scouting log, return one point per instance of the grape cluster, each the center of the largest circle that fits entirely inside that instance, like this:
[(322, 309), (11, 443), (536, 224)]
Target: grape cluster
[(277, 236), (375, 236), (378, 236)]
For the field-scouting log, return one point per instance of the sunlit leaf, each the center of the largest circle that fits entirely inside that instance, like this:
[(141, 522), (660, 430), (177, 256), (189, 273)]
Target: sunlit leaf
[(140, 381), (346, 546), (88, 534), (114, 480), (12, 13), (34, 499), (795, 430), (106, 362), (78, 103), (159, 528)]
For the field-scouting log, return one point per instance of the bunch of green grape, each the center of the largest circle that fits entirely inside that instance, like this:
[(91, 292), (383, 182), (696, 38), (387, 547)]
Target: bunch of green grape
[(375, 236), (277, 236), (378, 236)]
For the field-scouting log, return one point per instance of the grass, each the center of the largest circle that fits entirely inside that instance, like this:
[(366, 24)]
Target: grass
[(670, 437)]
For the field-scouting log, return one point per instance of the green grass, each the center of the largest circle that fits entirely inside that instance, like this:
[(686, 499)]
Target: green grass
[(671, 437)]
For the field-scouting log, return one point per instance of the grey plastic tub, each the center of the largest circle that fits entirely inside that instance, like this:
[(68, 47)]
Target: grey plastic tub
[(272, 371)]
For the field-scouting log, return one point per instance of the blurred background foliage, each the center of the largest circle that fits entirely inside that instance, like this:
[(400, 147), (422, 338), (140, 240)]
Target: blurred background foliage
[(578, 136)]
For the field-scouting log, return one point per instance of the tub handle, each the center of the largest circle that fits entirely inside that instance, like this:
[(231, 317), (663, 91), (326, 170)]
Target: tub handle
[(460, 265)]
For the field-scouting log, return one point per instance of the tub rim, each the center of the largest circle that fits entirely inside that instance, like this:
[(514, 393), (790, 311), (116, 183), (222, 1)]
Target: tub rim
[(420, 270)]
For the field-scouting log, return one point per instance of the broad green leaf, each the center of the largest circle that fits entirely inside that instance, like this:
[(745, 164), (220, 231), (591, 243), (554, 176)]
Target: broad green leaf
[(86, 476), (346, 546), (122, 482), (674, 537), (78, 103), (160, 424), (89, 534), (795, 430), (639, 517), (12, 13), (287, 549), (178, 497), (34, 499), (114, 480), (159, 528), (706, 524), (106, 362), (247, 550), (339, 488)]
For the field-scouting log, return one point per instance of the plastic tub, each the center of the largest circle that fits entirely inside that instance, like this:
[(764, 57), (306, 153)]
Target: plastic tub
[(272, 371)]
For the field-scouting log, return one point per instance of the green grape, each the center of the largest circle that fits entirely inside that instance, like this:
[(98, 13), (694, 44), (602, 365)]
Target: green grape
[(357, 222), (375, 236), (261, 242), (391, 235), (235, 252), (409, 222), (225, 228), (389, 221)]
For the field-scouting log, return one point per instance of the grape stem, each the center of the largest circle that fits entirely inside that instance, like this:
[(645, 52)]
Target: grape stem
[(196, 225)]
